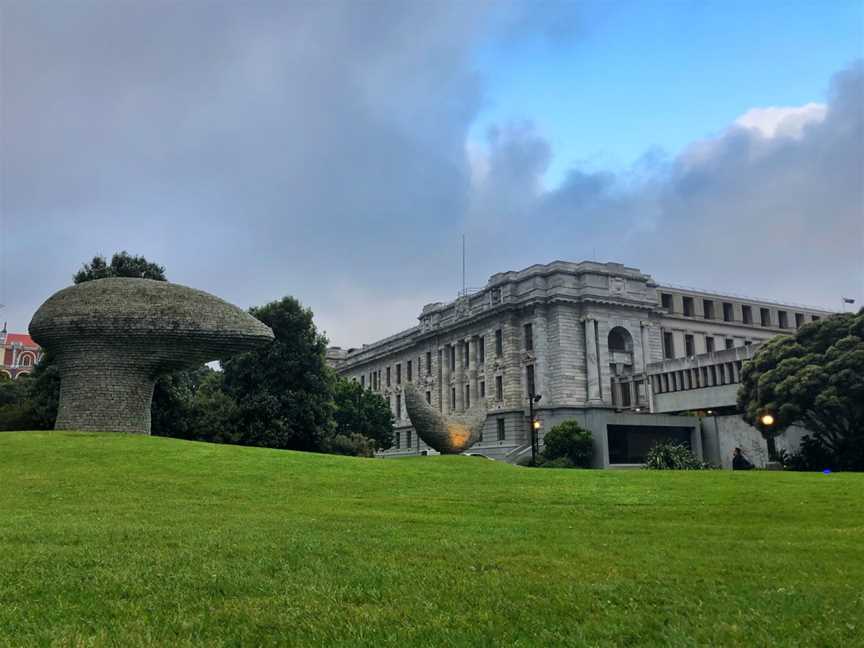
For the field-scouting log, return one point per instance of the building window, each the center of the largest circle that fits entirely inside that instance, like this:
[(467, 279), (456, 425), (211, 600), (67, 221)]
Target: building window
[(452, 398), (728, 312), (428, 363), (388, 376), (409, 371), (363, 381), (689, 346), (815, 318), (408, 438), (398, 440), (496, 295), (666, 301), (499, 388), (502, 432), (709, 344), (625, 394), (730, 343), (398, 406), (467, 396), (708, 309), (765, 316), (466, 350), (452, 357), (783, 319), (747, 343), (799, 320), (688, 306), (481, 349), (499, 343), (747, 314), (529, 379), (529, 337), (668, 346), (429, 397), (482, 389), (399, 373)]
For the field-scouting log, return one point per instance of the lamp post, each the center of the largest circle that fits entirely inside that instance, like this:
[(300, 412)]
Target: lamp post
[(767, 421), (534, 425)]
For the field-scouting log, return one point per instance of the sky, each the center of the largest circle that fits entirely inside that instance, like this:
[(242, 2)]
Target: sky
[(338, 151)]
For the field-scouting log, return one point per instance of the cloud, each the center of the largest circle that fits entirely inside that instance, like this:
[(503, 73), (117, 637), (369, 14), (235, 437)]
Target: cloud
[(773, 205), (319, 150), (782, 121)]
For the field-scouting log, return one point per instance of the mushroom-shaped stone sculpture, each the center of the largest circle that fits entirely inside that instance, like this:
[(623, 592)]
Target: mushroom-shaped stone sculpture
[(111, 339), (446, 434)]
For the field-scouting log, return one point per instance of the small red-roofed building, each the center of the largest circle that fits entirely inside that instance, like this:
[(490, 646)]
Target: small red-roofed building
[(18, 354)]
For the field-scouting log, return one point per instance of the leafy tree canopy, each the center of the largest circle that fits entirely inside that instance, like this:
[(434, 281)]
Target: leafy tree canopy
[(284, 392), (364, 412), (815, 379), (122, 264)]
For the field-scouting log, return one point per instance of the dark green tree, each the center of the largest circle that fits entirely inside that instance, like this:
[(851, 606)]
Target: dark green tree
[(173, 411), (284, 393), (44, 392), (16, 410), (364, 412), (122, 264), (815, 379)]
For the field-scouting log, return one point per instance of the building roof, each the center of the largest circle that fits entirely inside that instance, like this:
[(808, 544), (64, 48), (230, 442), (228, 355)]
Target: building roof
[(21, 338)]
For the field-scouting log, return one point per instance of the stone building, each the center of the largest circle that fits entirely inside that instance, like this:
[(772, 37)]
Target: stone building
[(581, 335), (19, 354)]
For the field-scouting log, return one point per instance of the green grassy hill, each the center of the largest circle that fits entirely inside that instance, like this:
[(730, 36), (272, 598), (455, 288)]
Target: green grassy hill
[(107, 539)]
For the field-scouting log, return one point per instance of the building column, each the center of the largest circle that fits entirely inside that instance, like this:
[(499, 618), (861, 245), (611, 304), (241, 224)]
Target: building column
[(472, 369), (459, 346), (591, 361), (444, 386), (648, 382)]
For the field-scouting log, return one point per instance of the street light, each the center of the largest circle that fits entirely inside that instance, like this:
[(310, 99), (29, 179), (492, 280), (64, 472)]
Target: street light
[(767, 421), (535, 426)]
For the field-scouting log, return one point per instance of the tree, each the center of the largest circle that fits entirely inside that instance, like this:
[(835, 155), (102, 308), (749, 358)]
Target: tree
[(815, 379), (16, 410), (122, 265), (284, 392), (568, 441), (173, 411), (361, 411), (44, 392)]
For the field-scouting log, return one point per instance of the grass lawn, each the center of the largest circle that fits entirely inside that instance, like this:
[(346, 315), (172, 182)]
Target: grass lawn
[(109, 539)]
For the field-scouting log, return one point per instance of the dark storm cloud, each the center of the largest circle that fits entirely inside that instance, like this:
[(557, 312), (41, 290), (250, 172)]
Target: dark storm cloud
[(319, 149), (255, 149)]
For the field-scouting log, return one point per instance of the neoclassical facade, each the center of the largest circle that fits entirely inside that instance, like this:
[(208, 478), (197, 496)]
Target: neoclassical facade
[(581, 335)]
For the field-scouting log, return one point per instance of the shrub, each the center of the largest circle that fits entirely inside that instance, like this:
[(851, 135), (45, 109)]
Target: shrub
[(568, 440), (668, 455), (559, 462), (355, 445)]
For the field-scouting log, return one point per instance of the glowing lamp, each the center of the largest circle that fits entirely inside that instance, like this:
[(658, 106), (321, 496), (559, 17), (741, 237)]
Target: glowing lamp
[(767, 420)]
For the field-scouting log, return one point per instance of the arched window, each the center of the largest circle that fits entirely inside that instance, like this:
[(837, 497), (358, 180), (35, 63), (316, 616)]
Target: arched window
[(620, 340), (27, 360)]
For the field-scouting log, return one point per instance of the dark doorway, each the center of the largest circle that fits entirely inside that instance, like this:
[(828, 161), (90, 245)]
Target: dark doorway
[(628, 444)]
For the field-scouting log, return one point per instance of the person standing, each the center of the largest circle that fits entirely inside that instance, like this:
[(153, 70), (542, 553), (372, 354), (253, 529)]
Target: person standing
[(739, 462)]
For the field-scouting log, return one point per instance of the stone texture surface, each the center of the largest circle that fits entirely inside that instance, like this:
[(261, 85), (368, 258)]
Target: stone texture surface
[(446, 434), (113, 337)]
